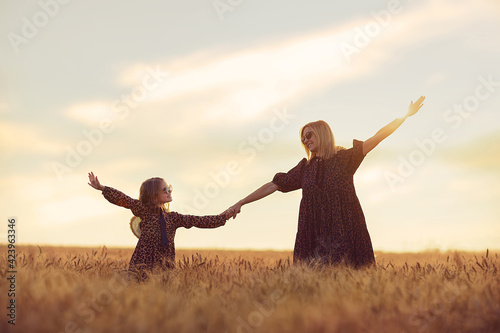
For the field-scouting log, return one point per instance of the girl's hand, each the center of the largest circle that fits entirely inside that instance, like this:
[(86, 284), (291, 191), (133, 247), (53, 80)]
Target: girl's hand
[(94, 182), (233, 211), (225, 214), (414, 107)]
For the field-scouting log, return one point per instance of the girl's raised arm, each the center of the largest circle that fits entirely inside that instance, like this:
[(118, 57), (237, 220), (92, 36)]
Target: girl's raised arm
[(118, 198), (387, 130)]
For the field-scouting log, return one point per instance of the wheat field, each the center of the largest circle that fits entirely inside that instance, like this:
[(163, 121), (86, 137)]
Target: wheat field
[(61, 289)]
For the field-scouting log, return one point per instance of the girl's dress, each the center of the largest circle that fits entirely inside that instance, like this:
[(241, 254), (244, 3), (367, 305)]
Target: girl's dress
[(150, 253), (332, 225)]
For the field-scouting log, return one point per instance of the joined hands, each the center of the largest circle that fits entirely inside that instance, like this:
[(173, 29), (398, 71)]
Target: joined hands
[(232, 211)]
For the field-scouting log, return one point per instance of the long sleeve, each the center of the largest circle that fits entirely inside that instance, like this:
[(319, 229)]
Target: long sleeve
[(188, 221), (121, 199)]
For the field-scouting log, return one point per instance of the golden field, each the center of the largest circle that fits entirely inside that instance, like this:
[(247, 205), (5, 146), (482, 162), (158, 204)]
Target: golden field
[(60, 289)]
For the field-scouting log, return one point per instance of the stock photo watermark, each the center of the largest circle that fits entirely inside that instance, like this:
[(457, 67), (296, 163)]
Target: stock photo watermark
[(365, 34), (248, 149), (455, 116), (30, 27), (95, 136), (223, 6), (263, 310), (423, 318), (11, 270), (87, 310)]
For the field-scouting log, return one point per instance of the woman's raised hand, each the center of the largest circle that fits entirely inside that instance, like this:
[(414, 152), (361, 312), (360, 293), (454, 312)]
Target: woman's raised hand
[(94, 182), (414, 107)]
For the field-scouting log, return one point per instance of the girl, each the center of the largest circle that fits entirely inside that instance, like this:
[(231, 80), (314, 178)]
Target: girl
[(155, 249), (331, 226)]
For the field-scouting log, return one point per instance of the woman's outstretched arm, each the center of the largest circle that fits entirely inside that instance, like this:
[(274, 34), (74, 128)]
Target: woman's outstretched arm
[(387, 130), (260, 193)]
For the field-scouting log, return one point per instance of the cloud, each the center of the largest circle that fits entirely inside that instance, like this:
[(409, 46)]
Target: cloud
[(482, 154), (26, 139), (3, 107), (71, 210), (91, 113), (244, 84), (435, 78), (126, 165), (28, 186), (218, 88)]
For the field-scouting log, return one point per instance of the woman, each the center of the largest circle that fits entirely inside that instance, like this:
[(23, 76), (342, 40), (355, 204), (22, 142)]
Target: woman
[(332, 226)]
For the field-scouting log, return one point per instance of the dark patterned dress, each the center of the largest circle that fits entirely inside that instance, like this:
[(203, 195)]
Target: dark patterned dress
[(150, 254), (332, 227)]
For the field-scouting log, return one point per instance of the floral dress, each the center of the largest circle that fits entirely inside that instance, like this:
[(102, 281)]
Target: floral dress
[(332, 225), (150, 253)]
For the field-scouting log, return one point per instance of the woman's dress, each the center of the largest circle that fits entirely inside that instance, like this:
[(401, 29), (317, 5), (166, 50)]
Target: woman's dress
[(332, 227)]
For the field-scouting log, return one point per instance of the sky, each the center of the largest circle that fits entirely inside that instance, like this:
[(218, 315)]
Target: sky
[(211, 94)]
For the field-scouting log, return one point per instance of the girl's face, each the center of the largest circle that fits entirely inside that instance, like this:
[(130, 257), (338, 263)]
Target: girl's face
[(165, 194), (309, 139)]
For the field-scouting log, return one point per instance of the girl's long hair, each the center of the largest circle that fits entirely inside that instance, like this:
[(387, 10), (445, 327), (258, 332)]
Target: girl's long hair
[(149, 191)]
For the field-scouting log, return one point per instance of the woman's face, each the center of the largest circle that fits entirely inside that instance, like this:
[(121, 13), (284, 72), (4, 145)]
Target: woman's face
[(309, 139), (165, 194)]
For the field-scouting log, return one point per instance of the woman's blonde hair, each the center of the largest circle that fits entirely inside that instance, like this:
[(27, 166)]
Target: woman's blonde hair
[(325, 138), (149, 191)]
